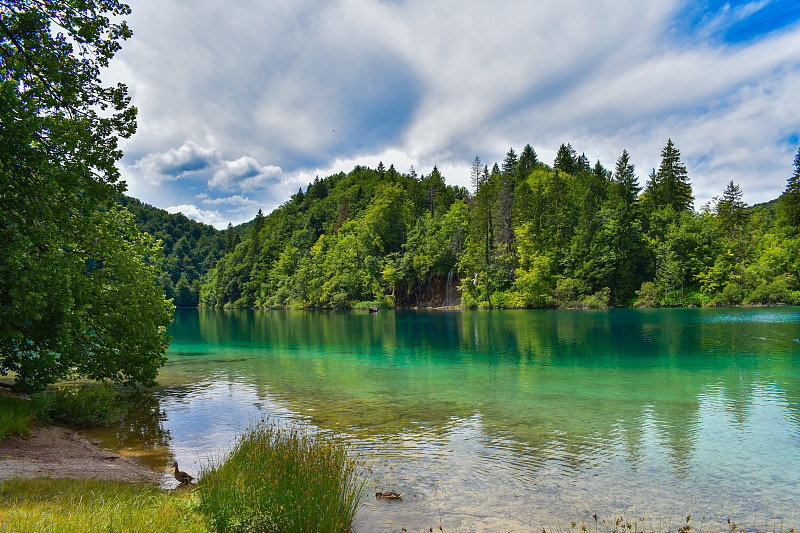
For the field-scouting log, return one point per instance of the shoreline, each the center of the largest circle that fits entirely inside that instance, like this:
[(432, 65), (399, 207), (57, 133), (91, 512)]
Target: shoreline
[(59, 452)]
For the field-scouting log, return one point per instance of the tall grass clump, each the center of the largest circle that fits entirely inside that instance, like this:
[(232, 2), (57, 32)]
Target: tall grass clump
[(47, 505), (283, 480), (16, 417), (81, 406)]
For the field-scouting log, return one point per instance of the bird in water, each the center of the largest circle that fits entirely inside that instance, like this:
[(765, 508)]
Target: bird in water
[(183, 477), (388, 496)]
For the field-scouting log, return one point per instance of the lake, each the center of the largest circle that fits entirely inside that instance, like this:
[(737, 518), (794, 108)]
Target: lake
[(506, 420)]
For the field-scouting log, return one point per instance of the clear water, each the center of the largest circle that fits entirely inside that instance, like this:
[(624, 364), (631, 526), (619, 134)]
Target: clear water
[(510, 420)]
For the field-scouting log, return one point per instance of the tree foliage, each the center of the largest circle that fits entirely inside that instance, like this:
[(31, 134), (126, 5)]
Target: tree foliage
[(77, 278), (529, 235)]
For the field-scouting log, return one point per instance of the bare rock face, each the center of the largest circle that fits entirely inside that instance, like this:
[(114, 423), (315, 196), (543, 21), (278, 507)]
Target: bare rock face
[(436, 291)]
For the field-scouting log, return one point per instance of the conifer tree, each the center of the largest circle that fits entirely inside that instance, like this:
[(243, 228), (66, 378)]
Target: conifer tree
[(790, 200), (510, 163), (672, 185), (527, 161), (625, 179), (475, 174), (731, 209), (582, 164), (566, 159)]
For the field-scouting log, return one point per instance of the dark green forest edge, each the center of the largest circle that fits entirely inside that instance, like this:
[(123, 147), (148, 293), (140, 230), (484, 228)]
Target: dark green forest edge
[(529, 235)]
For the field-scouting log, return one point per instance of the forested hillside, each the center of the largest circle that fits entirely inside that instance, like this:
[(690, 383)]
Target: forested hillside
[(190, 248), (526, 235)]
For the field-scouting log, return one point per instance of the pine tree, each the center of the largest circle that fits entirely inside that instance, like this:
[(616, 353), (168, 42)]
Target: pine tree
[(601, 172), (475, 174), (527, 161), (582, 164), (672, 186), (790, 200), (625, 179), (510, 163), (566, 159), (731, 209)]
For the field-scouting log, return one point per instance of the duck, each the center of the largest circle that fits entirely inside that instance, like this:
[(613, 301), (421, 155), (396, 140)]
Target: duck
[(183, 477), (391, 495)]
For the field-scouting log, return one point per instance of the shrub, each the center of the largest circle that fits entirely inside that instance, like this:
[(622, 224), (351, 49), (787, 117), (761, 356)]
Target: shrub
[(770, 294), (568, 291), (648, 295), (732, 294), (598, 300), (82, 405), (279, 479)]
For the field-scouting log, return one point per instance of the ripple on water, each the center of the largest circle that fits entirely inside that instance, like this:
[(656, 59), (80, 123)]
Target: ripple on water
[(759, 315)]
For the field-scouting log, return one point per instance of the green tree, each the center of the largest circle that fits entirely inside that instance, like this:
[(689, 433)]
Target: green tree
[(510, 164), (670, 186), (625, 179), (566, 159), (790, 200), (527, 161), (732, 214), (77, 279)]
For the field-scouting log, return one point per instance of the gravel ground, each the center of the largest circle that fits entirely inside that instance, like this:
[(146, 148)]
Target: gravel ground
[(52, 451)]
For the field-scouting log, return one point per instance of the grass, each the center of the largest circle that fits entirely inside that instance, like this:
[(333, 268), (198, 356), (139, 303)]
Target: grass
[(287, 480), (87, 506), (16, 417), (81, 406), (77, 406)]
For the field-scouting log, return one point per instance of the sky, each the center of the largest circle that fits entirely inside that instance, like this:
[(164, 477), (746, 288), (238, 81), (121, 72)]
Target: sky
[(242, 102)]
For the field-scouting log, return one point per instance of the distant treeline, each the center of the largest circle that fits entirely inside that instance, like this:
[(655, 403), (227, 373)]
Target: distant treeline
[(190, 248), (526, 235)]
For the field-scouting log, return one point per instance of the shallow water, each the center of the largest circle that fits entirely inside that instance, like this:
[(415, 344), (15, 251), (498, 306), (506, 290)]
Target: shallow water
[(510, 420)]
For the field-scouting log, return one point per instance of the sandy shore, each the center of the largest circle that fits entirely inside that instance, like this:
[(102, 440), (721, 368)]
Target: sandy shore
[(52, 451)]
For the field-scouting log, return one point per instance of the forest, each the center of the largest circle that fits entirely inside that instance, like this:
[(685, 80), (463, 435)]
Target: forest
[(527, 235), (190, 249)]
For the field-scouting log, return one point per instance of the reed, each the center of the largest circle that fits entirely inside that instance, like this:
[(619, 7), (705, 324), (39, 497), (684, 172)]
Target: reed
[(16, 417), (93, 506), (283, 479)]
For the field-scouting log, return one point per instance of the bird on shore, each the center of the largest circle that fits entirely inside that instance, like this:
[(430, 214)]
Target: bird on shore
[(183, 477)]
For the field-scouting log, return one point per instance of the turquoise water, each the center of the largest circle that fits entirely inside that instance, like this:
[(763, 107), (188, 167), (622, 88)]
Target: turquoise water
[(512, 420)]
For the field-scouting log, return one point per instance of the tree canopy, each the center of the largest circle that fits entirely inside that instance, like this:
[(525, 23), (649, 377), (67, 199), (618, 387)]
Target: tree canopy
[(77, 278), (526, 235)]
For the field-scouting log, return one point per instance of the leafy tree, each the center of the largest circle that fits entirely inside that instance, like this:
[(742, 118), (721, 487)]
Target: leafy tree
[(504, 222), (77, 279), (585, 239)]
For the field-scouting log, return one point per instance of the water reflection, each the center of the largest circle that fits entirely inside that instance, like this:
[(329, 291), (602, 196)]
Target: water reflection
[(140, 434), (509, 419)]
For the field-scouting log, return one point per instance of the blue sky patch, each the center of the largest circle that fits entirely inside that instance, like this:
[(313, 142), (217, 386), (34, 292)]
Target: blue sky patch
[(738, 21)]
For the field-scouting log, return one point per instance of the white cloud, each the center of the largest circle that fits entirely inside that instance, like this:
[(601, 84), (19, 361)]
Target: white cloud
[(176, 163), (290, 90), (244, 174), (237, 199), (214, 218)]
